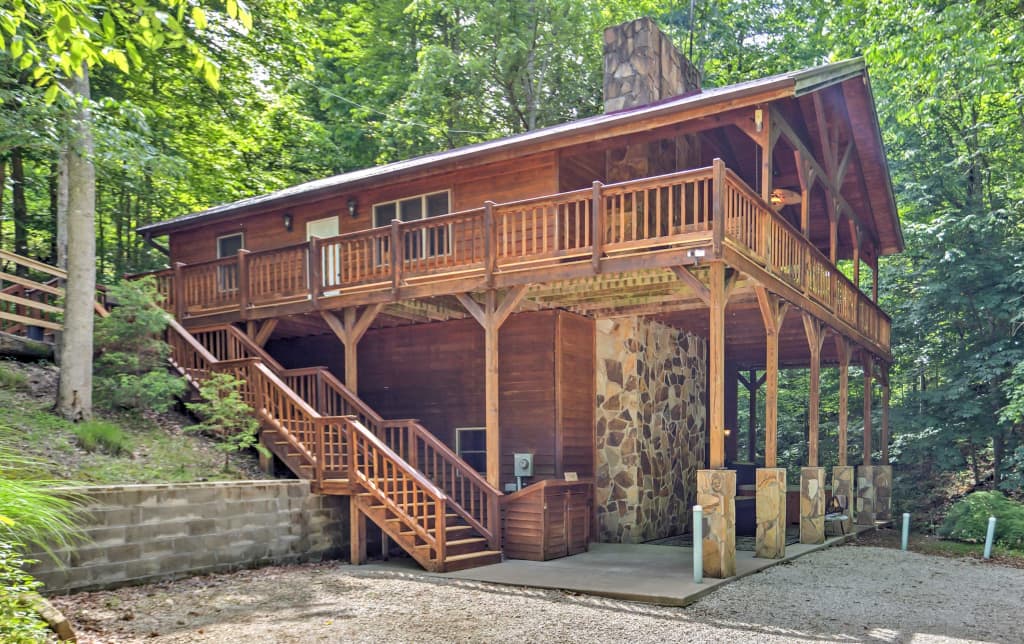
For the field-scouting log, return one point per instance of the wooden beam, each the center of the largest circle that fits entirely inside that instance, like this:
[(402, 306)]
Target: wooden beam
[(266, 330), (843, 351), (868, 375), (752, 386), (773, 313), (28, 303), (795, 140), (350, 330), (716, 362), (885, 415), (815, 337), (491, 315), (686, 276), (357, 533)]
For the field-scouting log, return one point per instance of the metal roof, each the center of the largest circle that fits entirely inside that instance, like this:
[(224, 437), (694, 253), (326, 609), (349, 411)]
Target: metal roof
[(800, 82)]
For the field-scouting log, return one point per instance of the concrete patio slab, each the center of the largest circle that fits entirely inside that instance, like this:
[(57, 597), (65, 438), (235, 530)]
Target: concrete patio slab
[(651, 574)]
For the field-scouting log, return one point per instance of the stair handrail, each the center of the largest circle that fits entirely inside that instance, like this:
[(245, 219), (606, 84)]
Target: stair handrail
[(485, 516), (415, 515), (374, 475), (254, 350), (206, 359)]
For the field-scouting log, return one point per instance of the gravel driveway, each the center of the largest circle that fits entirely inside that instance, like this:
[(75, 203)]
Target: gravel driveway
[(849, 594)]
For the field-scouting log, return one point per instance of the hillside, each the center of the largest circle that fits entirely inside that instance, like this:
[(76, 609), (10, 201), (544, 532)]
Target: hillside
[(154, 448)]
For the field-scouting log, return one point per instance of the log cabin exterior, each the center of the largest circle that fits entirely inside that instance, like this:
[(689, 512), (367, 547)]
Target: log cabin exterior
[(589, 294)]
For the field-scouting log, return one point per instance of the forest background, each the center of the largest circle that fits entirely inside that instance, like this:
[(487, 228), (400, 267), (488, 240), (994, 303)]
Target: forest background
[(314, 87)]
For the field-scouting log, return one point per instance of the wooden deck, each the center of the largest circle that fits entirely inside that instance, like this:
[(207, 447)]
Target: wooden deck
[(564, 243)]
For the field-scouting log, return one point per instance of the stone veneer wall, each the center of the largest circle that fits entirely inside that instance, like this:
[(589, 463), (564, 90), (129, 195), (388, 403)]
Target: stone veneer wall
[(642, 66), (649, 428), (143, 533)]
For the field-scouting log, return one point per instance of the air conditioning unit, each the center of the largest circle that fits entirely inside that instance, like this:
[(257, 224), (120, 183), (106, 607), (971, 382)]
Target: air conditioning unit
[(523, 465)]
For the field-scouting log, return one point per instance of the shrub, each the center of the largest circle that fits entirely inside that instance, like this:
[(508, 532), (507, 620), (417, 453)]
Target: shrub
[(131, 362), (10, 379), (968, 519), (226, 415), (19, 622), (30, 511), (101, 436)]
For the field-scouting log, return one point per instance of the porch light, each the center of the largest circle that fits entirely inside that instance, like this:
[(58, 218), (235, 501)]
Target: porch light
[(784, 197), (696, 254), (352, 205), (288, 221)]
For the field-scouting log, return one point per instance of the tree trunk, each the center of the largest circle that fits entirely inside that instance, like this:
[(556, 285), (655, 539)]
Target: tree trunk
[(62, 209), (998, 452), (3, 189), (19, 207), (74, 397)]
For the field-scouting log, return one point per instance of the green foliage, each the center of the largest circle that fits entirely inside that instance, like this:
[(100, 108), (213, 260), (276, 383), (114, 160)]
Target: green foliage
[(99, 435), (30, 512), (19, 622), (226, 415), (968, 519), (11, 379), (131, 362)]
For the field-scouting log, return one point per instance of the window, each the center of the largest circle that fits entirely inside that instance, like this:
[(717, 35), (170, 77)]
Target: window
[(229, 245), (227, 274), (414, 209), (471, 446)]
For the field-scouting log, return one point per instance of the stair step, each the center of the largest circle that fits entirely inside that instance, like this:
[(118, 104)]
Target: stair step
[(460, 547), (471, 560)]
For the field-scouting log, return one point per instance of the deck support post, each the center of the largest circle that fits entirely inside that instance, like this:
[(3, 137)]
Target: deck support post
[(773, 313), (843, 350), (752, 384), (812, 505), (716, 364), (815, 337), (350, 329), (357, 533), (884, 438), (491, 316), (868, 387)]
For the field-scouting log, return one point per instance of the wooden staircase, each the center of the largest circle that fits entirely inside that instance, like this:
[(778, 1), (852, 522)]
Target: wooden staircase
[(398, 474)]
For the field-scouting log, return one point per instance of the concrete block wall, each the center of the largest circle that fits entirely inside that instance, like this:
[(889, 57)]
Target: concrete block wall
[(144, 533)]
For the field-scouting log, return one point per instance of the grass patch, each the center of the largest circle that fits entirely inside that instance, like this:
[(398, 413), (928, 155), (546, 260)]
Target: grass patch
[(153, 449), (11, 379), (101, 435)]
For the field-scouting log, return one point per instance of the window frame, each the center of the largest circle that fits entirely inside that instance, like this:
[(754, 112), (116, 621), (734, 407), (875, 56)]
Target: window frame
[(424, 243)]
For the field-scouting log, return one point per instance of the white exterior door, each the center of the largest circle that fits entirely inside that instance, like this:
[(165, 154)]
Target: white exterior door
[(330, 266)]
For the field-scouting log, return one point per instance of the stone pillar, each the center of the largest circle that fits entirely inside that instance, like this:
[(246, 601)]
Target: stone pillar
[(716, 493), (866, 495), (771, 513), (842, 485), (883, 492), (812, 505)]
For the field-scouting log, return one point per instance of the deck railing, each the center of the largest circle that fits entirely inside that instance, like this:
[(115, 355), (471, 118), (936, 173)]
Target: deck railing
[(628, 218), (760, 232)]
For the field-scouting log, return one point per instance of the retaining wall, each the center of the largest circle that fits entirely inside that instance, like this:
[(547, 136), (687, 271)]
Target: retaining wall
[(145, 533)]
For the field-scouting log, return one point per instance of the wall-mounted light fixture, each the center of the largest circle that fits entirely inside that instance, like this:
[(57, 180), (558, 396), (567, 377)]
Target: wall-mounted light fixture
[(352, 205), (289, 221), (696, 254), (759, 120)]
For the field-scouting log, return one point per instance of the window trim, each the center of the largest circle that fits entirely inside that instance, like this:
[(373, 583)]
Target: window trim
[(240, 233)]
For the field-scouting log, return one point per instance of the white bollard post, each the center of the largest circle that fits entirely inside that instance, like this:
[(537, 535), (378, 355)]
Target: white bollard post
[(990, 537), (698, 544), (906, 531)]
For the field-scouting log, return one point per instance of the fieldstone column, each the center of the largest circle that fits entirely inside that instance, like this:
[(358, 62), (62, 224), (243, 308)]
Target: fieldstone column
[(771, 513), (812, 505), (883, 492), (866, 495), (842, 485), (716, 493)]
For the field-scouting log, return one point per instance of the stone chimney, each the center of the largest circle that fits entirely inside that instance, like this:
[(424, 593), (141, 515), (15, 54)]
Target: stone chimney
[(642, 66)]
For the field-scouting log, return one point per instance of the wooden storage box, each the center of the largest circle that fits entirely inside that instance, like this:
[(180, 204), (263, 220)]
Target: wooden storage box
[(547, 520)]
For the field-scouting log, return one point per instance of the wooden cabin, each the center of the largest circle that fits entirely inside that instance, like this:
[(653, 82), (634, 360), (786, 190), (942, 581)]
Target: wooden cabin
[(575, 302)]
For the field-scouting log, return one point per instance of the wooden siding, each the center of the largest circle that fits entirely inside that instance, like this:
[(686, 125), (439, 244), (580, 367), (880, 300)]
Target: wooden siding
[(574, 350), (531, 176), (434, 373)]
